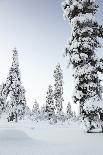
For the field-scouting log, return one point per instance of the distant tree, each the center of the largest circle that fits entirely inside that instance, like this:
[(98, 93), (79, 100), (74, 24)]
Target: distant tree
[(50, 108), (58, 90), (69, 112), (36, 111), (2, 98), (6, 110), (15, 89), (61, 117), (74, 115), (43, 115), (27, 112)]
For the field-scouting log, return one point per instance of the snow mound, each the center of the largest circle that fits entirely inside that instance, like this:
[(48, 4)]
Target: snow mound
[(13, 134), (47, 140)]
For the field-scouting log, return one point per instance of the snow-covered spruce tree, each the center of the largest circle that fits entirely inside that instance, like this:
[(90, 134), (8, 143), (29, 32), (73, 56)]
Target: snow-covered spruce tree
[(58, 91), (35, 112), (15, 90), (69, 113), (50, 108), (43, 115), (27, 112), (3, 97), (80, 51)]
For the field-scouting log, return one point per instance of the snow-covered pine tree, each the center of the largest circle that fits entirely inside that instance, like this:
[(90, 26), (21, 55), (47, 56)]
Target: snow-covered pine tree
[(80, 50), (43, 115), (27, 112), (58, 90), (35, 112), (50, 108), (69, 113), (15, 89), (3, 97), (7, 108)]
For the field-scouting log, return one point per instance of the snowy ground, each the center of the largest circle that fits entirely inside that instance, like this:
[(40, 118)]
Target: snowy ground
[(25, 138)]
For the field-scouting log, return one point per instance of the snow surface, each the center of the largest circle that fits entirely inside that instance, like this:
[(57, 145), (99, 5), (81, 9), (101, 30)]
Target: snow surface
[(27, 138)]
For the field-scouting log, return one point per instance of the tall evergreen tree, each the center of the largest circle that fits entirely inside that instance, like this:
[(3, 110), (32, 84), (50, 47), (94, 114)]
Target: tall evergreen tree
[(15, 89), (80, 50), (50, 108), (58, 90), (36, 111)]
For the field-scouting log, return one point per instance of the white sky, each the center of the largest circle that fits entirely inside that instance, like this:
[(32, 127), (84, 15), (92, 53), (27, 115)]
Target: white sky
[(37, 29)]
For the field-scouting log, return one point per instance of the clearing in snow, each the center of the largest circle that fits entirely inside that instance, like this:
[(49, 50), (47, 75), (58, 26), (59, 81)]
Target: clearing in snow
[(30, 138)]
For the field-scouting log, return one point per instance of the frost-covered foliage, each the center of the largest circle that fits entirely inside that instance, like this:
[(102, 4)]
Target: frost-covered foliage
[(27, 112), (61, 116), (43, 114), (89, 106), (93, 114), (81, 48), (3, 96), (58, 90), (35, 112), (50, 108), (69, 112), (15, 89)]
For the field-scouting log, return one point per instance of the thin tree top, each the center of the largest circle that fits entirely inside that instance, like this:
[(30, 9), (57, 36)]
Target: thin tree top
[(15, 62)]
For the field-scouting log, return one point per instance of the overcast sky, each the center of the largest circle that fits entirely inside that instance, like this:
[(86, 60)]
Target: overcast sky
[(37, 29)]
